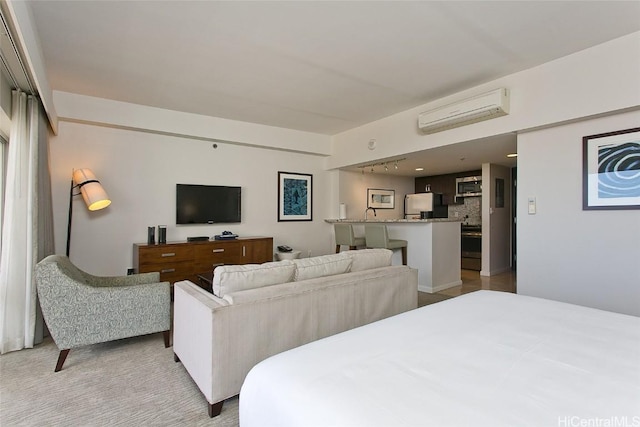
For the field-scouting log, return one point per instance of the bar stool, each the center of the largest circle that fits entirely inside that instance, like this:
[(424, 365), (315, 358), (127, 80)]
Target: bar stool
[(376, 236), (345, 236)]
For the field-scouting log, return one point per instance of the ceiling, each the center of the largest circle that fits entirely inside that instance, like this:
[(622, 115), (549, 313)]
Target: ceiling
[(317, 66)]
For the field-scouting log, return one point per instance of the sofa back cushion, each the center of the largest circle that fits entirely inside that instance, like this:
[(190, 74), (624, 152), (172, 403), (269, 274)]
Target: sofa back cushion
[(366, 259), (321, 266), (232, 278)]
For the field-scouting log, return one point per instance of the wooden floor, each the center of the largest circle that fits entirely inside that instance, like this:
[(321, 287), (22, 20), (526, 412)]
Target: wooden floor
[(472, 281)]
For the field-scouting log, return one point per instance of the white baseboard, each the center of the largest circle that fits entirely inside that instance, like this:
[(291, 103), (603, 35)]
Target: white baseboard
[(494, 272), (434, 289)]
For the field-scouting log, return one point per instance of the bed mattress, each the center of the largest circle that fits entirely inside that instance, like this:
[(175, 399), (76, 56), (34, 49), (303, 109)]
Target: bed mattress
[(482, 359)]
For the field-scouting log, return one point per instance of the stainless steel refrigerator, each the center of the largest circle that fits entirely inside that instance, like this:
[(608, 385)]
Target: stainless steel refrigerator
[(424, 205)]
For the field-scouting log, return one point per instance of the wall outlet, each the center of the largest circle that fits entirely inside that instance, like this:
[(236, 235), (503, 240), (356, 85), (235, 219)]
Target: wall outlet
[(456, 214)]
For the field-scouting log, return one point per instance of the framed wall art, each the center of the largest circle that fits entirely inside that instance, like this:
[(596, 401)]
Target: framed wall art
[(380, 199), (611, 170), (294, 196)]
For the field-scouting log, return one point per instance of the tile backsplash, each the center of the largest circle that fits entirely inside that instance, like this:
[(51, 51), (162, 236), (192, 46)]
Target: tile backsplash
[(471, 207)]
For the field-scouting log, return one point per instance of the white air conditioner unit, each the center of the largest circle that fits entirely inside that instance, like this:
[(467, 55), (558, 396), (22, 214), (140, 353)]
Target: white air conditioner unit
[(476, 109)]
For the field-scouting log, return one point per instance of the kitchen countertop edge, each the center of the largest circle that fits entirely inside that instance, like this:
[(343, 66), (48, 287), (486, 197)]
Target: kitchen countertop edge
[(430, 220)]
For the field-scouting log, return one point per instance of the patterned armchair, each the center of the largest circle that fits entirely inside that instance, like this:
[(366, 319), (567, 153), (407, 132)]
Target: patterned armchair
[(81, 309)]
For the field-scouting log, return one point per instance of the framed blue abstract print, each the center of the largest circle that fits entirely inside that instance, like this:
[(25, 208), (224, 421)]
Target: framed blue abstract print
[(611, 170), (294, 196)]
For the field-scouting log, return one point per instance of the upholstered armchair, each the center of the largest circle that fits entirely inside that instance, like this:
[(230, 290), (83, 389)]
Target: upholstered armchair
[(81, 309)]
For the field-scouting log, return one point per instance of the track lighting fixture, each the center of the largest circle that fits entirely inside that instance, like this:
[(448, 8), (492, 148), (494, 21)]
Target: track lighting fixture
[(372, 166)]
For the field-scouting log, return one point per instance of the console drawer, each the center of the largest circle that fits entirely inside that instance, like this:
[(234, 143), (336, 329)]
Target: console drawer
[(164, 254), (212, 254)]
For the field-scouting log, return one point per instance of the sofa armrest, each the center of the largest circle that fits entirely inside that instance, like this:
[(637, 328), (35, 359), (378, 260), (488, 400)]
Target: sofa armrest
[(193, 312)]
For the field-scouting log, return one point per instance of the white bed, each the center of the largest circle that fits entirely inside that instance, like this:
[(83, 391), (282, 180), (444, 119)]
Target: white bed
[(482, 359)]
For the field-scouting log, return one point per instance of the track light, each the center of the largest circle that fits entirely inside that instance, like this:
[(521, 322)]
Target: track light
[(371, 166)]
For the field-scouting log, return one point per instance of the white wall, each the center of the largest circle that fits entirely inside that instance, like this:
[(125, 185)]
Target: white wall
[(579, 85), (564, 253), (353, 192), (139, 171)]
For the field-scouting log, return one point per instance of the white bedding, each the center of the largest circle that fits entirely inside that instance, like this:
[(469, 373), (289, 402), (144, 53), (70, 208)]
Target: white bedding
[(482, 359)]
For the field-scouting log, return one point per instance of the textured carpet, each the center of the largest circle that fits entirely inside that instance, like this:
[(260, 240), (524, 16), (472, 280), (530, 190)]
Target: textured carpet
[(121, 383)]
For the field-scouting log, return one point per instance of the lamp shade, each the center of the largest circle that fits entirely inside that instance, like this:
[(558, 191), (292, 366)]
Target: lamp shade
[(92, 192)]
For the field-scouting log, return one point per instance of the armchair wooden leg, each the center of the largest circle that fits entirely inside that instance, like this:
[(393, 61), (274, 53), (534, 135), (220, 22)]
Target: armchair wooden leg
[(215, 409), (61, 358), (176, 358), (167, 338), (337, 248), (404, 255)]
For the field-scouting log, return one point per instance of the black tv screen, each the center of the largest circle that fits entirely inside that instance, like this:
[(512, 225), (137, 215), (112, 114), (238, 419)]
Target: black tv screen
[(207, 204)]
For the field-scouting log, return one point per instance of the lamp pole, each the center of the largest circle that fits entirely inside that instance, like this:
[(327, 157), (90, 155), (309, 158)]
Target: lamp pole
[(70, 213)]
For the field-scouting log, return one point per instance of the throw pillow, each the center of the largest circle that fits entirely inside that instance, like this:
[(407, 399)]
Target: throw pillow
[(232, 278), (366, 259), (321, 266)]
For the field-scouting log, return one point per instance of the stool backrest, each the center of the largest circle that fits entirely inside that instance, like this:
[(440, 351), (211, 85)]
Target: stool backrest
[(344, 234), (376, 235)]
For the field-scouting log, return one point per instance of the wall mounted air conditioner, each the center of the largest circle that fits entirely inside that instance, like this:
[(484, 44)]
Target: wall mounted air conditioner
[(475, 109)]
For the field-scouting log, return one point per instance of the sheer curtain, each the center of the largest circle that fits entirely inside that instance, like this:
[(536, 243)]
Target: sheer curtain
[(26, 222)]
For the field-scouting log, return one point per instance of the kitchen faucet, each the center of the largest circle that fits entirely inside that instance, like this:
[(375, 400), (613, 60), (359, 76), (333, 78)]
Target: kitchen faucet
[(367, 211)]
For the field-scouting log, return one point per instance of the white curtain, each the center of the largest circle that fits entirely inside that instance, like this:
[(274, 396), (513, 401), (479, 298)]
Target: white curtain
[(19, 243)]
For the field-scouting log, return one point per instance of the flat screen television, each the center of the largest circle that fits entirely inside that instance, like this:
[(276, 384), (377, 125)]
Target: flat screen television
[(207, 204)]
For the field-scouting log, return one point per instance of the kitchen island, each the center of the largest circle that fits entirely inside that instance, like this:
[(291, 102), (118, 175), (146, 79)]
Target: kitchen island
[(433, 248)]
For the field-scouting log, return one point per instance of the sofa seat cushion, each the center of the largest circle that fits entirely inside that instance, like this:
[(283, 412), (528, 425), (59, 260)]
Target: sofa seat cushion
[(233, 278), (366, 259), (321, 266)]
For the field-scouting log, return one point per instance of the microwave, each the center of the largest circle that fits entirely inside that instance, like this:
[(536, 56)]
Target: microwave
[(469, 186)]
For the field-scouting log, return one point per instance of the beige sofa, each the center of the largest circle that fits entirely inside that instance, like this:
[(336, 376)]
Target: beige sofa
[(261, 310)]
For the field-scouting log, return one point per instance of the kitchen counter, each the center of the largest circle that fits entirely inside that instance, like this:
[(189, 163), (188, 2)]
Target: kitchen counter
[(400, 221), (433, 247)]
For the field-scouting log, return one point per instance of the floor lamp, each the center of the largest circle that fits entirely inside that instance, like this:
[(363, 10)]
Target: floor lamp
[(92, 192)]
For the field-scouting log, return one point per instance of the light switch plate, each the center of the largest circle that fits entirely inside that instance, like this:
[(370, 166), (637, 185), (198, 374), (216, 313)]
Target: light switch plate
[(531, 205)]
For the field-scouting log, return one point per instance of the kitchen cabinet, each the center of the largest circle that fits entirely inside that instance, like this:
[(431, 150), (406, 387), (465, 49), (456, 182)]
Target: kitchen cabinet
[(445, 184)]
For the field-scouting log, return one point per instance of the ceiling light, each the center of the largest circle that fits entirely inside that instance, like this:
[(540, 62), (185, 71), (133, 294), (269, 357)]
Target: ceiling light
[(386, 168), (512, 155), (419, 169), (396, 165)]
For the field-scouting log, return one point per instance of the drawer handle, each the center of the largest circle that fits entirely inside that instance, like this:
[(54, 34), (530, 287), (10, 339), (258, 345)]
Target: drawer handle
[(168, 270), (169, 254), (218, 250)]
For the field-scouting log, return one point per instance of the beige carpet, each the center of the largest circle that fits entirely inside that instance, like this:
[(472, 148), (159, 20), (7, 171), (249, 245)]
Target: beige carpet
[(121, 383)]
